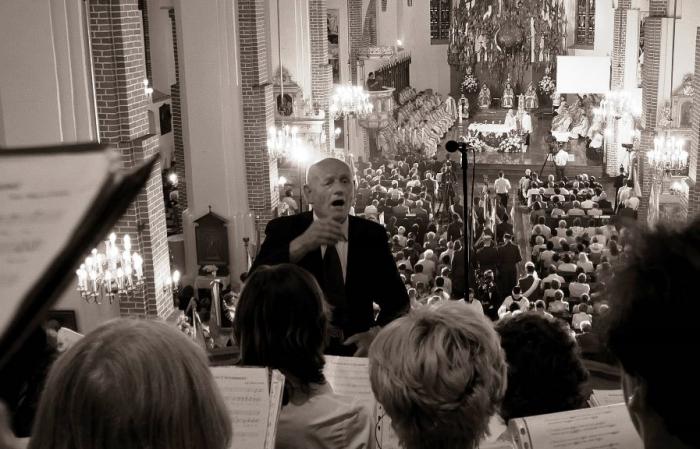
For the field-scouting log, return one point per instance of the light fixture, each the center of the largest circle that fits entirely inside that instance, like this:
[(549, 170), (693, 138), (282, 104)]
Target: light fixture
[(282, 181), (172, 179), (114, 273), (282, 141), (172, 283), (147, 89), (668, 154), (350, 100)]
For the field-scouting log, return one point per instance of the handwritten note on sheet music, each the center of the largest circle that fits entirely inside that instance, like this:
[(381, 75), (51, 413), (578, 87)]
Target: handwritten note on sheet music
[(246, 394), (600, 427), (44, 198)]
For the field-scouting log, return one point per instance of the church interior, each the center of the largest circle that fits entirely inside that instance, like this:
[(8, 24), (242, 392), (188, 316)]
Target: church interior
[(573, 123)]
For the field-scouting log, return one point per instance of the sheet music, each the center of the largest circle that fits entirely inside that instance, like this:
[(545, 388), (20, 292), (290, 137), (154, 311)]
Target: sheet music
[(607, 397), (245, 392), (349, 376), (44, 198), (67, 338), (607, 427), (276, 391)]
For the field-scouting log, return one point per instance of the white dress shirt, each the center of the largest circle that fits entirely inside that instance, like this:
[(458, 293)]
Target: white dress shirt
[(502, 185), (341, 247)]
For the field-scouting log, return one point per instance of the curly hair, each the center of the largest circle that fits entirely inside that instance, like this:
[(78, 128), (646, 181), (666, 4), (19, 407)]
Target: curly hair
[(545, 371), (440, 374), (652, 327)]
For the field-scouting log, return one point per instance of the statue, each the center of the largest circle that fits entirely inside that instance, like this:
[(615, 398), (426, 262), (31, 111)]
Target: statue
[(484, 97), (664, 119), (463, 108), (688, 88), (531, 101), (508, 95), (510, 122)]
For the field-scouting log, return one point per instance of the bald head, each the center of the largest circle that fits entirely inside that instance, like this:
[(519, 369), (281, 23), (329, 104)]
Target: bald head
[(330, 189)]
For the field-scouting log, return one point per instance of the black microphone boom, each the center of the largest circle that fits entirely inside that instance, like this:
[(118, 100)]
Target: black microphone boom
[(452, 145)]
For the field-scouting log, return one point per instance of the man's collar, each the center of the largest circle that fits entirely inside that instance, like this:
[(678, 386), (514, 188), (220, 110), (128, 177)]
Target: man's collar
[(345, 226)]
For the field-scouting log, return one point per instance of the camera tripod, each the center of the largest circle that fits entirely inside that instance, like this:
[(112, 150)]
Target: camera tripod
[(446, 197)]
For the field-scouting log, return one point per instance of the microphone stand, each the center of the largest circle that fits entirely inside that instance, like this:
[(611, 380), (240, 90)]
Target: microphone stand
[(465, 223)]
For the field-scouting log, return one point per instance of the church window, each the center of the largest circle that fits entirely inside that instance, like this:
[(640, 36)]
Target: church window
[(585, 22), (440, 17)]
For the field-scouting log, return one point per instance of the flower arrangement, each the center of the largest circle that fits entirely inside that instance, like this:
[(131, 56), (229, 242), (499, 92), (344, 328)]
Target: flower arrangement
[(470, 84), (511, 144), (547, 85), (473, 141)]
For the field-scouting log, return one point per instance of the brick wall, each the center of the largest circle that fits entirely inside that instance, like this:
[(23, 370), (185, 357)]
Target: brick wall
[(658, 8), (321, 71), (143, 6), (261, 169), (179, 146), (694, 160), (119, 61), (369, 28), (355, 31)]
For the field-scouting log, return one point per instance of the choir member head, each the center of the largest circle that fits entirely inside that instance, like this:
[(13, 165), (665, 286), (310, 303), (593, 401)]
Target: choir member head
[(281, 322), (330, 189), (545, 374), (652, 331), (132, 383), (440, 374)]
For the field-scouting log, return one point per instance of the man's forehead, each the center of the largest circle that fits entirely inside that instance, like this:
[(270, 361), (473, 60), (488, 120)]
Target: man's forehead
[(329, 168)]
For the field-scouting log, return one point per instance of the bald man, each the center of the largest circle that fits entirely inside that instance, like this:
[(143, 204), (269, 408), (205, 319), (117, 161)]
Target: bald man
[(349, 257)]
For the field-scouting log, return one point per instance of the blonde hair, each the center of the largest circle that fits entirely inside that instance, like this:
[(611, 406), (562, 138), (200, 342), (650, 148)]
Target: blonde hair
[(132, 384), (440, 374)]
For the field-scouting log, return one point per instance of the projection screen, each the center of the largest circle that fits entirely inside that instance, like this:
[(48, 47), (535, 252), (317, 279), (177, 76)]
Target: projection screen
[(583, 74)]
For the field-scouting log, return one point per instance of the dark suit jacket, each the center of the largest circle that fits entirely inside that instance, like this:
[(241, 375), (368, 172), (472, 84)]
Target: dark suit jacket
[(371, 274)]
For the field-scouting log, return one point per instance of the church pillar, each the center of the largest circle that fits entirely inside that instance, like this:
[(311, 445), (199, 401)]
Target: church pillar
[(258, 110), (355, 30), (118, 55), (321, 71), (650, 94), (213, 135), (178, 145), (694, 160)]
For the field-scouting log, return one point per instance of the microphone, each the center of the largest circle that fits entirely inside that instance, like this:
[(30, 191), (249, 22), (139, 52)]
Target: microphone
[(452, 145)]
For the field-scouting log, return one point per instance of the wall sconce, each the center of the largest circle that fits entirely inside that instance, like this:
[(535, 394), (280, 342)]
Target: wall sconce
[(146, 89), (172, 283)]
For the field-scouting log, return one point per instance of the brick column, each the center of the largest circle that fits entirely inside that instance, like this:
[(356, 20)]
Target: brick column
[(256, 87), (650, 93), (694, 160), (321, 71), (118, 56), (355, 31), (179, 146), (369, 29)]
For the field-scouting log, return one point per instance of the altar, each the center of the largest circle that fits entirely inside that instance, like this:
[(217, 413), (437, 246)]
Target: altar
[(490, 128), (494, 137)]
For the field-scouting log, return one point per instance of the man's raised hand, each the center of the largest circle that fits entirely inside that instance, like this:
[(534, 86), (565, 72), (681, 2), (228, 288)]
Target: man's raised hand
[(325, 231)]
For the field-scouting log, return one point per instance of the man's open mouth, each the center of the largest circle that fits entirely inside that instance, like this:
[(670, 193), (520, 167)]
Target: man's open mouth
[(339, 203)]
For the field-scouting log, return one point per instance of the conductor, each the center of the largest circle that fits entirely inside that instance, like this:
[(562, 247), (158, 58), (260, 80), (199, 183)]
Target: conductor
[(349, 257)]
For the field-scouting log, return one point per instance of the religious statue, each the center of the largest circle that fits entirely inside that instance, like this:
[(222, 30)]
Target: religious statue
[(463, 108), (531, 101), (688, 88), (510, 122), (508, 95), (664, 119), (484, 97), (451, 107)]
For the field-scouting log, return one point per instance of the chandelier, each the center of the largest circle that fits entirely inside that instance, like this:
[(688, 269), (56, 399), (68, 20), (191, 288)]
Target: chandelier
[(283, 141), (112, 273), (349, 100), (668, 154)]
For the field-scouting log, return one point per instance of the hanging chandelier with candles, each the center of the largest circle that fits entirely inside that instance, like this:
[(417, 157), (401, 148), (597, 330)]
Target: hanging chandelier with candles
[(348, 100), (668, 154), (281, 142), (111, 274)]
